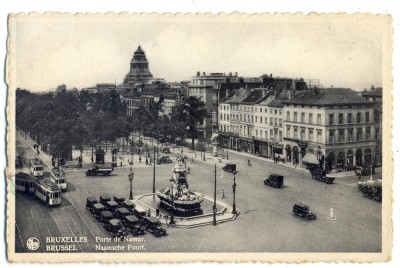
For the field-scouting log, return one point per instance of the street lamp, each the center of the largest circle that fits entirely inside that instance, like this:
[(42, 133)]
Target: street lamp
[(215, 196), (154, 170), (234, 192), (319, 156), (130, 177), (227, 150), (172, 182)]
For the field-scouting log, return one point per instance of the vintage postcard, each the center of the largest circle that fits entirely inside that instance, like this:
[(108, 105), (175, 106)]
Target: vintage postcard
[(178, 138)]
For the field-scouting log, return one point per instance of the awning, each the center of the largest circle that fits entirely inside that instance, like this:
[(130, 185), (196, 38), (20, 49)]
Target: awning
[(214, 136), (311, 159)]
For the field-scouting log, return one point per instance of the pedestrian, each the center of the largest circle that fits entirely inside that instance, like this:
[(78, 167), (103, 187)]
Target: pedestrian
[(121, 163), (359, 177), (140, 159), (249, 163), (188, 170), (148, 213), (150, 161), (157, 212), (147, 161), (223, 193)]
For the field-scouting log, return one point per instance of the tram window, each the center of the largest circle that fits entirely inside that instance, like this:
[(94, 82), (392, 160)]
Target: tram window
[(56, 195), (38, 168)]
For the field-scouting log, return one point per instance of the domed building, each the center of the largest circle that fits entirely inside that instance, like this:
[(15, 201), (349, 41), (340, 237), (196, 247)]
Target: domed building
[(139, 72)]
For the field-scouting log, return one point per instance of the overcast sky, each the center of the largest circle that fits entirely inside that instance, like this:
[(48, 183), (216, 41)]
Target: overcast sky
[(80, 51)]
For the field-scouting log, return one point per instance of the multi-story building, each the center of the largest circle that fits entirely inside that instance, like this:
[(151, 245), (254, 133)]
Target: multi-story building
[(203, 86), (336, 122)]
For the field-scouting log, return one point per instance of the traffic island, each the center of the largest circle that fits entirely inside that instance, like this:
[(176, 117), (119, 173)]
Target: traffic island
[(224, 212)]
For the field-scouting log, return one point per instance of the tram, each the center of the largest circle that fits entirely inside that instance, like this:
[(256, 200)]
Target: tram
[(24, 183), (48, 192), (36, 167), (57, 177)]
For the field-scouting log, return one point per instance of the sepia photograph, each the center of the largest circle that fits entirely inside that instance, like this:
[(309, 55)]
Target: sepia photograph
[(264, 135)]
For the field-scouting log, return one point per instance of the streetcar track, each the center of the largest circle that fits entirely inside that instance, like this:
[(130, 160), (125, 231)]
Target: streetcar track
[(66, 221), (19, 234), (34, 222)]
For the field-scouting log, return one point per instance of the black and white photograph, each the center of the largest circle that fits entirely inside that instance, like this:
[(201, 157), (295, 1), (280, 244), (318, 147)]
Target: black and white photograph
[(230, 137)]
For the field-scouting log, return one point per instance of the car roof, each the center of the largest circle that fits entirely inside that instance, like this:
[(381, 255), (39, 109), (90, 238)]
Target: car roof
[(153, 219), (132, 218), (276, 175), (115, 222), (98, 206), (105, 197), (301, 205), (91, 199), (123, 210), (128, 203), (119, 198), (107, 214), (112, 203)]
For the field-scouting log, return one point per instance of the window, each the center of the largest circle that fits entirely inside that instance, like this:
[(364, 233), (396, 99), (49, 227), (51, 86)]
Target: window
[(271, 121), (256, 133), (350, 134), (302, 117), (311, 135), (266, 110), (276, 112), (288, 132), (341, 135), (319, 136), (280, 122), (368, 133), (271, 134), (266, 120), (318, 119), (303, 134), (310, 119), (240, 117), (359, 134), (340, 119), (270, 110), (295, 117), (260, 119), (280, 112), (288, 116), (280, 135), (349, 118), (358, 117), (367, 117), (221, 116), (295, 133), (266, 134), (256, 119), (275, 121), (252, 118), (331, 119), (331, 136), (255, 109)]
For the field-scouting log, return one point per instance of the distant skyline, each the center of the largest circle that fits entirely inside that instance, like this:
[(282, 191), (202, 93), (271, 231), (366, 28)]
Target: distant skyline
[(81, 52)]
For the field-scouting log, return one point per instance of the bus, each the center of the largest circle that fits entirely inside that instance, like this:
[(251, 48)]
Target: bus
[(48, 192), (57, 177), (24, 183), (36, 167)]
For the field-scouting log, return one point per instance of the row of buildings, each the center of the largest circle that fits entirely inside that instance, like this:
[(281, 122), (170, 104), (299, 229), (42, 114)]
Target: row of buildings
[(293, 120)]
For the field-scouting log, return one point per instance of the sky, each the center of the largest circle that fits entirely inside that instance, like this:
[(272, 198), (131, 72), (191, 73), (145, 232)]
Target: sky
[(81, 51)]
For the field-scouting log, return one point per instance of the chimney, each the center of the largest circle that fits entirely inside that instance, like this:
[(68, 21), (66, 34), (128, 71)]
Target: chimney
[(204, 73), (270, 75), (372, 87), (236, 74), (198, 73), (230, 73)]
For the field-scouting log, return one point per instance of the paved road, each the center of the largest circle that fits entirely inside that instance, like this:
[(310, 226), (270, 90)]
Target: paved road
[(266, 223)]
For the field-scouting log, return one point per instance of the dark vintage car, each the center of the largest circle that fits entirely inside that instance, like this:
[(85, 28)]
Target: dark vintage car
[(164, 159), (115, 228), (121, 213), (104, 199), (112, 206), (165, 150), (303, 211), (153, 226), (128, 204), (274, 180), (97, 209), (90, 201), (105, 216), (119, 200), (140, 212), (230, 168), (132, 224)]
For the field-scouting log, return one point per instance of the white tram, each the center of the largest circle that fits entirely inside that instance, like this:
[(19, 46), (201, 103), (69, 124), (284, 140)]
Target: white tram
[(36, 167), (24, 183), (57, 177), (48, 192)]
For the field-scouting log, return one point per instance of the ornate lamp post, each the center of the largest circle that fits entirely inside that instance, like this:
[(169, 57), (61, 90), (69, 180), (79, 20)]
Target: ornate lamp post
[(172, 182), (234, 192), (154, 170), (130, 177), (227, 152), (319, 156)]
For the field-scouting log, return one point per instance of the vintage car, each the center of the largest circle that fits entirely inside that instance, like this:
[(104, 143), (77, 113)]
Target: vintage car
[(132, 224), (139, 212), (164, 159), (112, 206), (230, 168), (128, 204), (165, 150), (274, 180), (98, 170), (153, 226), (90, 201), (121, 213), (104, 199), (119, 200), (320, 175), (115, 228), (303, 211), (97, 209), (105, 216)]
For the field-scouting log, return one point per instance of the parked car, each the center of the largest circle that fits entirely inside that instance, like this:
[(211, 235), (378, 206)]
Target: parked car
[(105, 216), (153, 226), (115, 228), (96, 170), (165, 150), (129, 205), (230, 168), (274, 180), (119, 200), (140, 212), (112, 206), (97, 209), (303, 211), (165, 159), (104, 199), (90, 201), (121, 213), (132, 224)]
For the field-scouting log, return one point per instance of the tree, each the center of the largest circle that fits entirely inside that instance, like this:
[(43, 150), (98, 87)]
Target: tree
[(189, 115)]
